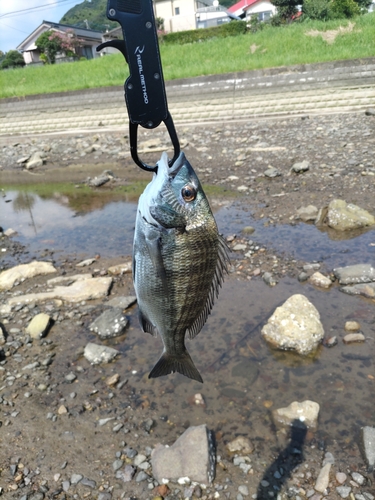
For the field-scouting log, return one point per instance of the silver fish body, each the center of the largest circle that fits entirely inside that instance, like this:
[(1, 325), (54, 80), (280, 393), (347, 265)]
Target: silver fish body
[(179, 260)]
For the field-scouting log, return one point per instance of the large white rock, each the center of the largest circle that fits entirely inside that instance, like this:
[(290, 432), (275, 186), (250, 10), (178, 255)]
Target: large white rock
[(306, 412), (191, 457), (343, 216), (91, 288), (24, 271), (295, 325)]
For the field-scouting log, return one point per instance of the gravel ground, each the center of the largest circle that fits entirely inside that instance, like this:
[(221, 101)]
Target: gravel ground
[(54, 443)]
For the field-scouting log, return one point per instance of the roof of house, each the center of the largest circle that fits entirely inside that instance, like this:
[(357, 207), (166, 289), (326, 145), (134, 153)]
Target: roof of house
[(241, 6), (47, 25)]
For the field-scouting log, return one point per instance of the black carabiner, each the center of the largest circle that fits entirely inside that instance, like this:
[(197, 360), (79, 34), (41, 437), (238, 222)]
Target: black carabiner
[(133, 138)]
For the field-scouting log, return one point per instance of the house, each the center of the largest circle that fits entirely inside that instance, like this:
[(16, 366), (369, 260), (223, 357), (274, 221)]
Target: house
[(247, 8), (181, 15), (31, 54)]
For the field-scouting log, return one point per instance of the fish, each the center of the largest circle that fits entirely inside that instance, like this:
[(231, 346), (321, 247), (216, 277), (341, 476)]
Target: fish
[(179, 262)]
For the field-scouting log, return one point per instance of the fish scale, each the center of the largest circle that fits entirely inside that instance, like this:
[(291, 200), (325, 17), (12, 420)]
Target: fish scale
[(179, 260)]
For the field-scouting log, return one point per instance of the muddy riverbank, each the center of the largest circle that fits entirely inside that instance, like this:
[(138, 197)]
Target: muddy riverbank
[(53, 402)]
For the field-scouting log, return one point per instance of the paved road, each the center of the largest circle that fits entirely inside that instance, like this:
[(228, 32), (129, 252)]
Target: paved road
[(339, 87)]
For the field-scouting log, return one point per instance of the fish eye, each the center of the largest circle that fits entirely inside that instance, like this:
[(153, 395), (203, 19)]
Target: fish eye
[(188, 193)]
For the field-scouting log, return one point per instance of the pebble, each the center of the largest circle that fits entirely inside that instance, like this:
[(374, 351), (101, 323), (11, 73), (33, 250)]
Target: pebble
[(341, 477), (139, 459), (141, 476), (90, 483), (350, 338), (65, 485), (328, 459), (323, 478), (126, 474), (117, 464), (358, 478), (352, 326), (343, 491), (243, 490), (76, 478), (70, 377)]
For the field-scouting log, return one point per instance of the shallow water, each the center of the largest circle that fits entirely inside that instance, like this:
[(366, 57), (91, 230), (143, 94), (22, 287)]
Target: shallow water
[(243, 378)]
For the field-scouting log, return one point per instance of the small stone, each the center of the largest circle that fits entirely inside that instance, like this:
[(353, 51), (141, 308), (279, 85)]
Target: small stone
[(65, 485), (124, 268), (358, 478), (306, 411), (86, 262), (350, 338), (39, 326), (113, 379), (343, 491), (308, 213), (352, 326), (96, 354), (241, 444), (300, 167), (331, 341), (319, 280), (62, 410), (76, 478), (341, 477), (141, 476), (243, 490), (323, 478), (139, 459), (90, 483), (239, 247), (117, 464), (328, 459), (126, 474), (70, 377), (272, 172), (248, 230)]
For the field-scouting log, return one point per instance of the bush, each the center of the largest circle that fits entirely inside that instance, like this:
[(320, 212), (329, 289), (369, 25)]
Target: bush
[(341, 9), (254, 24), (12, 59), (317, 9), (232, 28)]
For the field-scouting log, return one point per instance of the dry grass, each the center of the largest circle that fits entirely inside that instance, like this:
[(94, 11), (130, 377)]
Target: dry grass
[(329, 36)]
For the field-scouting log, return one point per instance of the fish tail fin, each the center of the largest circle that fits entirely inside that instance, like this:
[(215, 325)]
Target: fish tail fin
[(182, 363)]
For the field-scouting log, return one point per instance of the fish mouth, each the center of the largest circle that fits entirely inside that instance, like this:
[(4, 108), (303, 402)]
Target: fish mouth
[(164, 169)]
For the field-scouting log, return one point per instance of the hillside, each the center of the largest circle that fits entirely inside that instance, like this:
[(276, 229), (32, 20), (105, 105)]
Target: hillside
[(89, 14), (94, 12)]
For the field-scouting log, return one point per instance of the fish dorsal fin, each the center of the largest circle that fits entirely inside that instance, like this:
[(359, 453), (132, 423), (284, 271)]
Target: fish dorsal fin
[(146, 325), (221, 269)]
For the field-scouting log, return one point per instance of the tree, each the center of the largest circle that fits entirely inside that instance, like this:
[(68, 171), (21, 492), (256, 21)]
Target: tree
[(317, 9), (12, 59), (286, 9), (51, 42), (345, 9)]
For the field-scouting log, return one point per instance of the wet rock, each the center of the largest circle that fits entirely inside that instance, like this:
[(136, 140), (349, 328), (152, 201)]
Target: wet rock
[(246, 369), (300, 167), (306, 411), (100, 179), (322, 480), (192, 456), (343, 491), (308, 213), (97, 354), (331, 341), (24, 271), (111, 323), (122, 302), (358, 273), (319, 280), (295, 325), (350, 338), (39, 326), (328, 458), (92, 288), (343, 216), (303, 277), (352, 326), (241, 444), (86, 262), (35, 161), (269, 279), (272, 172), (126, 474), (248, 230), (368, 439), (10, 232), (364, 289), (123, 268)]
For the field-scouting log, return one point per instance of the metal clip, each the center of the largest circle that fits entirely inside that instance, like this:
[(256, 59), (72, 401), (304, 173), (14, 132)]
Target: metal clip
[(133, 137)]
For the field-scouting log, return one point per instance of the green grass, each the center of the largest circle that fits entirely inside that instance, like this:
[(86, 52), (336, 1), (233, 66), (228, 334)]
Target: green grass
[(282, 46)]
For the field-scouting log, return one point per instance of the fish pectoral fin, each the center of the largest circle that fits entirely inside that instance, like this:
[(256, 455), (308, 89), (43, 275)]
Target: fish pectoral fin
[(167, 217), (146, 324), (181, 363)]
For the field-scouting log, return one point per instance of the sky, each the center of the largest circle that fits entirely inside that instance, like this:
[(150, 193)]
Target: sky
[(16, 26)]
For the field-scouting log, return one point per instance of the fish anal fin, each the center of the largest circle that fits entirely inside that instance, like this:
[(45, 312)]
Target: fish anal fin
[(217, 281), (181, 363), (146, 325)]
